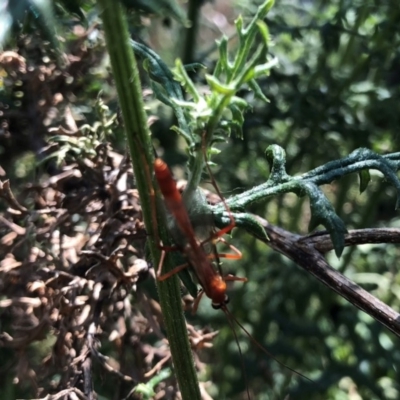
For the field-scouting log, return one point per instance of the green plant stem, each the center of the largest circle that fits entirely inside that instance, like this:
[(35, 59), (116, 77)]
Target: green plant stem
[(195, 174), (127, 81)]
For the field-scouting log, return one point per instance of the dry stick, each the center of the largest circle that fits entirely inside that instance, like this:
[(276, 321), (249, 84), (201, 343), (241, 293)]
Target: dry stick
[(157, 367), (19, 230), (306, 251), (101, 358), (7, 194), (63, 393), (87, 376), (323, 243)]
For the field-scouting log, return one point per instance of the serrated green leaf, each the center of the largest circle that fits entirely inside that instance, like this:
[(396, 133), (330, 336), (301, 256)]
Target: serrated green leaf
[(223, 60), (255, 87), (365, 178), (219, 138), (213, 151), (269, 4), (181, 132), (322, 212), (240, 102), (194, 66), (159, 93), (382, 165), (264, 69), (263, 29), (239, 25), (237, 120), (235, 129), (219, 87), (336, 228), (181, 75), (250, 75)]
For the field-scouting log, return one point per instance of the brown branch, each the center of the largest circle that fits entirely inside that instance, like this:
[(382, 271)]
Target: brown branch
[(157, 367), (101, 358), (87, 368), (63, 393), (307, 252), (8, 196), (322, 241)]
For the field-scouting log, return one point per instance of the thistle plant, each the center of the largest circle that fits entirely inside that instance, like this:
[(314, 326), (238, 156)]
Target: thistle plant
[(205, 118)]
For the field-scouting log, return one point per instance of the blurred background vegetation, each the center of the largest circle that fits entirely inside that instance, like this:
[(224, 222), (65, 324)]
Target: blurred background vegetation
[(337, 88)]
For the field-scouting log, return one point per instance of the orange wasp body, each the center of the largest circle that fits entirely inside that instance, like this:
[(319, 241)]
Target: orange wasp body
[(212, 281)]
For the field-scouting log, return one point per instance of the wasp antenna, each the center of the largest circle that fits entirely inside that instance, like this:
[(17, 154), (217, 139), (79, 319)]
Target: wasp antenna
[(263, 349), (230, 319)]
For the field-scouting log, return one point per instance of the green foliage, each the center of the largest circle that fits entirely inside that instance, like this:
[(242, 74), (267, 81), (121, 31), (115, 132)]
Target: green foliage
[(335, 90), (325, 102), (322, 211), (206, 118), (85, 142), (207, 113), (146, 390)]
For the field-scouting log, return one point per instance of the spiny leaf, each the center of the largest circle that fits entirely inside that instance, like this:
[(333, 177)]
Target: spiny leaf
[(263, 29), (223, 59), (365, 178), (254, 86), (237, 119), (322, 212), (219, 87), (265, 69), (381, 164), (266, 7), (186, 82), (192, 67), (276, 157), (164, 85)]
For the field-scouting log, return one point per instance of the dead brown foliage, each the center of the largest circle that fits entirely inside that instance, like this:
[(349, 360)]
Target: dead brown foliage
[(73, 317)]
